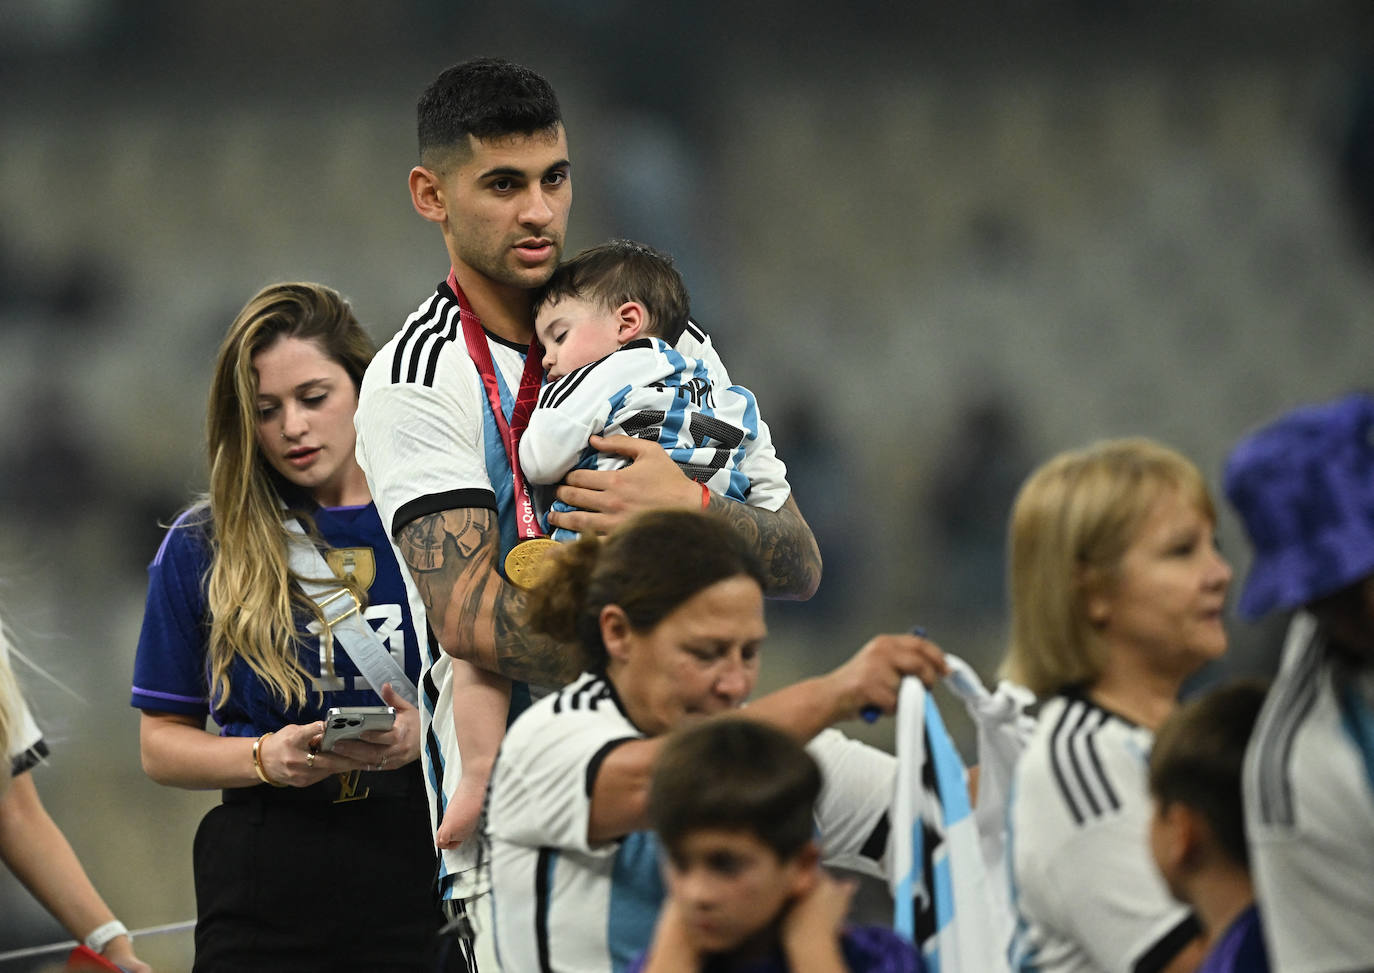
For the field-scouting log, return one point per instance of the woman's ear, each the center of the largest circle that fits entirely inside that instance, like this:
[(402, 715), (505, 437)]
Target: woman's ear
[(1095, 595), (615, 632), (631, 319)]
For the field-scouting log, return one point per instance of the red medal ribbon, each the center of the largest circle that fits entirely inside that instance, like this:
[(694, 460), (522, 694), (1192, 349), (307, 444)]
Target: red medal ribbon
[(526, 520)]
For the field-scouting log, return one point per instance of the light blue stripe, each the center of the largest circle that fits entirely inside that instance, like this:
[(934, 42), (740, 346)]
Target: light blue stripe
[(201, 700), (949, 768), (944, 892), (498, 466), (904, 912), (637, 892)]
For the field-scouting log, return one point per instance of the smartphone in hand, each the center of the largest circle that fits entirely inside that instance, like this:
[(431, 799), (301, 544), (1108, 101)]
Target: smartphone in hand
[(349, 722)]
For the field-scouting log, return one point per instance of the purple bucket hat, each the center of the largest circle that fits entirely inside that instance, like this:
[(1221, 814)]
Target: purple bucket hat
[(1304, 488)]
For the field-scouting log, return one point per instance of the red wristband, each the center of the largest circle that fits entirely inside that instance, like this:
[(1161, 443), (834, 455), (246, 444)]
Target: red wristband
[(705, 496)]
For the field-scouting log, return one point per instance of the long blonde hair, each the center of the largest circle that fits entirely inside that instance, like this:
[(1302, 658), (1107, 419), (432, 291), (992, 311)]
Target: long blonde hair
[(250, 591), (1072, 522)]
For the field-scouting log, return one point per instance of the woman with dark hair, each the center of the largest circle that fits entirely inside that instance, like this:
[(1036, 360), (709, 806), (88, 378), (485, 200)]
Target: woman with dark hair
[(668, 613), (231, 632)]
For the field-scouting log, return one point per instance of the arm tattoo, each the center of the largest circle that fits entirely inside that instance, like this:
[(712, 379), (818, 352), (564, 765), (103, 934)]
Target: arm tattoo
[(525, 655), (783, 542), (473, 612)]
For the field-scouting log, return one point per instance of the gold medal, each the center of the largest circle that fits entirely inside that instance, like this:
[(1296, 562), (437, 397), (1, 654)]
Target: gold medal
[(525, 561)]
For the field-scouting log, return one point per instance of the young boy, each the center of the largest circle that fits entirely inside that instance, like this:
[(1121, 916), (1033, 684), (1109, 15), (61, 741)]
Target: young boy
[(610, 321), (732, 801), (1197, 833), (614, 322)]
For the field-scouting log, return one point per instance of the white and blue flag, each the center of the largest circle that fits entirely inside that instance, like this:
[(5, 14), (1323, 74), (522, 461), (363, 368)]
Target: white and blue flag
[(947, 869)]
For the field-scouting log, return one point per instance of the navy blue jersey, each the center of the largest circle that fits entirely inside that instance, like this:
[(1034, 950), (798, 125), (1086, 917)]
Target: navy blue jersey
[(171, 668)]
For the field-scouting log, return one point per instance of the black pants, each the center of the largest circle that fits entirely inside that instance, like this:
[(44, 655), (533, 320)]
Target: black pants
[(288, 880)]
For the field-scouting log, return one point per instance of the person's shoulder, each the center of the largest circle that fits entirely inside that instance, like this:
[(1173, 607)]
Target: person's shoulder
[(1243, 944), (877, 949), (589, 696), (694, 338), (412, 354), (187, 538), (644, 344), (1078, 768)]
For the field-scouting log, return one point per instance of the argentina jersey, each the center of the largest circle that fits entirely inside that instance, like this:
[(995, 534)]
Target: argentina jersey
[(1085, 889), (428, 442), (170, 671), (1308, 785), (559, 901), (564, 903), (650, 390)]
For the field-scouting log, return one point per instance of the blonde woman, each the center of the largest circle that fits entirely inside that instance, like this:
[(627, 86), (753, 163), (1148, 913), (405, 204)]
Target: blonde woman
[(1117, 591), (32, 845), (315, 859)]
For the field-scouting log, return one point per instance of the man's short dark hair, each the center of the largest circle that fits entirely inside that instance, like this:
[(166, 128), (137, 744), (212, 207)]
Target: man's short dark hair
[(735, 774), (1197, 758), (487, 97), (621, 271)]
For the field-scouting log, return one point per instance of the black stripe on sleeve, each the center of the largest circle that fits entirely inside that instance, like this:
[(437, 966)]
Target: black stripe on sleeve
[(1273, 742), (1079, 732), (448, 333), (1091, 744), (436, 502), (691, 328), (29, 759), (1162, 953), (598, 758), (428, 343), (419, 323), (1058, 770), (557, 393)]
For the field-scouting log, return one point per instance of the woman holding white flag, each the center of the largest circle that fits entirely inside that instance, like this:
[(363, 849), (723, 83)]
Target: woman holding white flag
[(668, 613)]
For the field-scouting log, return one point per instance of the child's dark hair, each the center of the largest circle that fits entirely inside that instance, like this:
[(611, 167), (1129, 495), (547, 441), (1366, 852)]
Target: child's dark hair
[(735, 774), (1197, 759), (621, 271), (487, 97)]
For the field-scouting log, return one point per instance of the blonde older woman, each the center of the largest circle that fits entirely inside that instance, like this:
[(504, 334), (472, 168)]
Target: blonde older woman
[(1117, 590)]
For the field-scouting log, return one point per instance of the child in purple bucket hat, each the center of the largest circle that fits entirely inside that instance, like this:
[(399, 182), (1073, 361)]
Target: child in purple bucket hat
[(1303, 486)]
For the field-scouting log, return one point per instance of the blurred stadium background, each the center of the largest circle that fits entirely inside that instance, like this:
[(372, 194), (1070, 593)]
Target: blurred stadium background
[(939, 241)]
